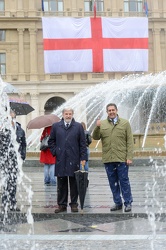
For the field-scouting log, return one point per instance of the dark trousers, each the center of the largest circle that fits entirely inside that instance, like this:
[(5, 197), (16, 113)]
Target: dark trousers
[(62, 190), (117, 173)]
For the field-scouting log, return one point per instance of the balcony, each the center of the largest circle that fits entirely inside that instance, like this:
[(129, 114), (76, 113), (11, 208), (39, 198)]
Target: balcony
[(79, 13)]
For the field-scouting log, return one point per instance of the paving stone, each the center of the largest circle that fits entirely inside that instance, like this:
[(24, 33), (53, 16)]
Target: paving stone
[(143, 228)]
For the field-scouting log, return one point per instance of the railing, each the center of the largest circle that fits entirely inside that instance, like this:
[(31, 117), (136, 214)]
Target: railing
[(80, 13), (96, 77)]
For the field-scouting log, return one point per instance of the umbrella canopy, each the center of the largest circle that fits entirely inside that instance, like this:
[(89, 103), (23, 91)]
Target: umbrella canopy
[(43, 121), (20, 107), (81, 179)]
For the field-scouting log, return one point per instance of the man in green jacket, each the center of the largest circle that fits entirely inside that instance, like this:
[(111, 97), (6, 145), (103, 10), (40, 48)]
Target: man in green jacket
[(117, 152)]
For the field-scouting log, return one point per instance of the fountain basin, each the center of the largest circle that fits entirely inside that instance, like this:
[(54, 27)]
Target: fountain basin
[(154, 147)]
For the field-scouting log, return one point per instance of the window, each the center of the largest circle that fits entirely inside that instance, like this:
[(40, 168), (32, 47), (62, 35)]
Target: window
[(2, 64), (89, 4), (53, 5), (133, 5), (2, 35), (2, 5)]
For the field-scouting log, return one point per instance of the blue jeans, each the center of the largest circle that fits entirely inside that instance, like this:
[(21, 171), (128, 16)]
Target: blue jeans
[(117, 173), (49, 174), (86, 167)]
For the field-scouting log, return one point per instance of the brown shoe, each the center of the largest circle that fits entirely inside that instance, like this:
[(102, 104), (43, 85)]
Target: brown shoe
[(61, 209), (74, 208)]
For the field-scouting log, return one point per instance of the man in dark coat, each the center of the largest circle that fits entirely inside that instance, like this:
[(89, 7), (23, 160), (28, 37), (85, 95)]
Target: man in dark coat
[(67, 143)]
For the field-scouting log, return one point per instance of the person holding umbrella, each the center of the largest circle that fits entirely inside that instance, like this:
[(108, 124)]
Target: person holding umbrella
[(20, 135), (46, 157), (49, 161), (67, 143)]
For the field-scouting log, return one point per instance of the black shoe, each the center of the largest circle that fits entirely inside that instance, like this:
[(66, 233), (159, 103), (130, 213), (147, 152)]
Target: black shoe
[(127, 208), (61, 209), (74, 208), (14, 209), (116, 207)]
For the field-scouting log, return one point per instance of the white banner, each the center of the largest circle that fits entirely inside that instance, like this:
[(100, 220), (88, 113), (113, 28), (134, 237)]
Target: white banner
[(95, 44)]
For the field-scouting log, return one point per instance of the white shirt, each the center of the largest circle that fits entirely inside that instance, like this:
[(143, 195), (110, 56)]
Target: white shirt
[(66, 124)]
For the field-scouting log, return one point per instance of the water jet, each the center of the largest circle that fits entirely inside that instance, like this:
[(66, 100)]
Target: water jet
[(140, 99)]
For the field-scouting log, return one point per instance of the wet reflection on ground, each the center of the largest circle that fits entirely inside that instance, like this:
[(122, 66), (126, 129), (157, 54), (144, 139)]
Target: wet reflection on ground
[(96, 226)]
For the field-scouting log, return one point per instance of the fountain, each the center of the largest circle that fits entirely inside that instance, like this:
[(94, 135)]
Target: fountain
[(9, 162), (140, 99)]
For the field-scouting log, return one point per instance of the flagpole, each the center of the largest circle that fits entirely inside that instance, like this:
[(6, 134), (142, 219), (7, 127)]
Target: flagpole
[(94, 8), (146, 8), (42, 4)]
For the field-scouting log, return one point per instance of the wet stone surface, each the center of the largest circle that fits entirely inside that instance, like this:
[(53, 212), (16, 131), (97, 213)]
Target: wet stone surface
[(97, 226), (82, 245)]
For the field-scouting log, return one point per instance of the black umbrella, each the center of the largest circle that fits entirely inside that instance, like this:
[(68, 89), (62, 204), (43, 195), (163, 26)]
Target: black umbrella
[(20, 107), (81, 179)]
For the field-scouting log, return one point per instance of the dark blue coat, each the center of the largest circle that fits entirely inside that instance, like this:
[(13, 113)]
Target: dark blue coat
[(20, 137), (69, 147)]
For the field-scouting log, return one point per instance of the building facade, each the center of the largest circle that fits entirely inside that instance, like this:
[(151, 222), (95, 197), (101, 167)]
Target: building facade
[(21, 46)]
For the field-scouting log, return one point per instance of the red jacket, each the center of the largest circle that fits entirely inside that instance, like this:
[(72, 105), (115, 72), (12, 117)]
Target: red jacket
[(46, 156)]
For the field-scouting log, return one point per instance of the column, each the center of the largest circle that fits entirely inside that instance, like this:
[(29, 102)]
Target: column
[(20, 9), (155, 9), (35, 104), (164, 8), (10, 8), (157, 50), (74, 5), (7, 8), (33, 54), (21, 56), (8, 66), (32, 10), (22, 119), (120, 7), (114, 8)]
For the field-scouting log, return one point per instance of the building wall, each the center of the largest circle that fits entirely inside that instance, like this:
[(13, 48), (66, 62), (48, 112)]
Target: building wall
[(24, 49)]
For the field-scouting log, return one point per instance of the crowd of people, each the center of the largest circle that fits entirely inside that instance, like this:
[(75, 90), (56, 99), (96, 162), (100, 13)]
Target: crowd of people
[(68, 152)]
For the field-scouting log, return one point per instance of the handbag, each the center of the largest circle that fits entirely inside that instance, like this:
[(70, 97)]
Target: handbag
[(44, 143)]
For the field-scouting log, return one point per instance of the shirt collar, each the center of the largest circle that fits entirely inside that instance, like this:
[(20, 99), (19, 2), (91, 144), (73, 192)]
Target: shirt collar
[(115, 119), (66, 123)]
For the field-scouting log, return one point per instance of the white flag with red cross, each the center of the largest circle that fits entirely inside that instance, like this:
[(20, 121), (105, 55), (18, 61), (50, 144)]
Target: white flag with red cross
[(95, 44)]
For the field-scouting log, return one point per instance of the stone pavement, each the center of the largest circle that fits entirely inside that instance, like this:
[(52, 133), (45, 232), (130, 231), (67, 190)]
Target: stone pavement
[(143, 228)]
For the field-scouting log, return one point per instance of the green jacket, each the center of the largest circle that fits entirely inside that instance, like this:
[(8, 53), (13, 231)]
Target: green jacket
[(117, 140)]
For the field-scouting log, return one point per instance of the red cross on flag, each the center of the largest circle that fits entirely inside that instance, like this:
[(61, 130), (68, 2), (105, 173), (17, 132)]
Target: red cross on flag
[(95, 44)]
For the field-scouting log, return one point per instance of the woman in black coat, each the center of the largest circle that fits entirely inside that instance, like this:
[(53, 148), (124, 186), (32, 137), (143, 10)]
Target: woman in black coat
[(20, 135), (67, 143)]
